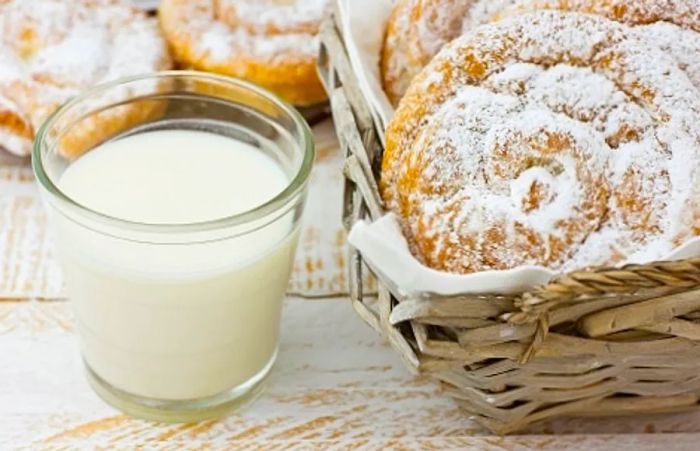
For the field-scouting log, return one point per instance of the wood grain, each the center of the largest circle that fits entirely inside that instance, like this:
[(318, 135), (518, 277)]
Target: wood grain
[(320, 264), (336, 386), (27, 265)]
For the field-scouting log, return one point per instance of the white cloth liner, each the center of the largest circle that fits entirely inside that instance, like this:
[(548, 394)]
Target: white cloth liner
[(381, 243), (384, 247), (363, 23)]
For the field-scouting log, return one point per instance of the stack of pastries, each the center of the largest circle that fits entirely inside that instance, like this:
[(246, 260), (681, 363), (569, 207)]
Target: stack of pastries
[(557, 133), (50, 50)]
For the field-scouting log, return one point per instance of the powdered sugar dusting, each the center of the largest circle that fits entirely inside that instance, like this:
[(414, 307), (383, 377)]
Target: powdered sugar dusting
[(52, 49), (439, 23), (674, 25), (546, 139), (220, 43), (237, 32), (485, 11), (261, 16), (417, 31), (685, 13), (681, 43)]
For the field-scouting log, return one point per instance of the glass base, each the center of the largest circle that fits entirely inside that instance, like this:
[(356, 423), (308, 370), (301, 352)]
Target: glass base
[(185, 411)]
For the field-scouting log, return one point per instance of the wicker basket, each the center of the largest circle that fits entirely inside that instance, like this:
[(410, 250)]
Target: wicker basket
[(599, 342)]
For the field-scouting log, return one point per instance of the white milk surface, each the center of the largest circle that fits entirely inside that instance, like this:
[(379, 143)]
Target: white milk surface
[(173, 177), (176, 321)]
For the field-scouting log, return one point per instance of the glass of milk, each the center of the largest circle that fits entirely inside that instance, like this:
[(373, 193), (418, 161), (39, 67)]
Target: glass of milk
[(175, 201)]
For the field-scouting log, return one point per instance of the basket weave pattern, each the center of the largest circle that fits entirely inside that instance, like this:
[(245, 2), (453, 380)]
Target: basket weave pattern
[(600, 342)]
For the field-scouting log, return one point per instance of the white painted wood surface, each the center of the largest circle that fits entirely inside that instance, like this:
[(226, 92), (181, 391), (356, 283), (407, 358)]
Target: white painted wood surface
[(336, 385)]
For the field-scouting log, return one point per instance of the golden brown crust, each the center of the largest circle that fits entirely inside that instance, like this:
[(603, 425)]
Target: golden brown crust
[(213, 38), (54, 49), (91, 130), (530, 94), (416, 30), (229, 12), (403, 56), (16, 131), (684, 13)]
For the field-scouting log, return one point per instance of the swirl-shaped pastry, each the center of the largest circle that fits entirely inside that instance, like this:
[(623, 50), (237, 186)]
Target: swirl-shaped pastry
[(273, 43), (545, 139), (53, 49), (674, 25), (416, 31)]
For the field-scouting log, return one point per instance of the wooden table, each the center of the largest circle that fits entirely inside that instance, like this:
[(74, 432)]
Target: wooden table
[(336, 384)]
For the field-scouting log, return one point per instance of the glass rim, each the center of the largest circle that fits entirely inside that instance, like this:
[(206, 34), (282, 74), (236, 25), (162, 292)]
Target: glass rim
[(294, 187)]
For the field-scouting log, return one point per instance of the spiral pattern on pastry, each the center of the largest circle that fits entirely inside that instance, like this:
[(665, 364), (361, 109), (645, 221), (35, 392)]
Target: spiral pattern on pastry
[(273, 43), (544, 139), (53, 49), (674, 25)]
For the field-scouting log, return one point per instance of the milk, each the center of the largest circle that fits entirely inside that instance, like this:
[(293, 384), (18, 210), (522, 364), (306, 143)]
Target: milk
[(187, 316)]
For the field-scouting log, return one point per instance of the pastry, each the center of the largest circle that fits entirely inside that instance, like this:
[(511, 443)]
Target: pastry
[(415, 32), (544, 139), (53, 49), (273, 43), (409, 45), (684, 13), (673, 25)]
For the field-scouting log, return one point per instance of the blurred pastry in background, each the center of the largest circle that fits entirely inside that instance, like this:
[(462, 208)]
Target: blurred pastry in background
[(672, 25), (418, 29), (50, 50), (273, 43)]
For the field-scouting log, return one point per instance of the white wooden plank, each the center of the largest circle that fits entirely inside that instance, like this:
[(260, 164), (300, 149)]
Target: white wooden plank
[(336, 385), (334, 377)]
